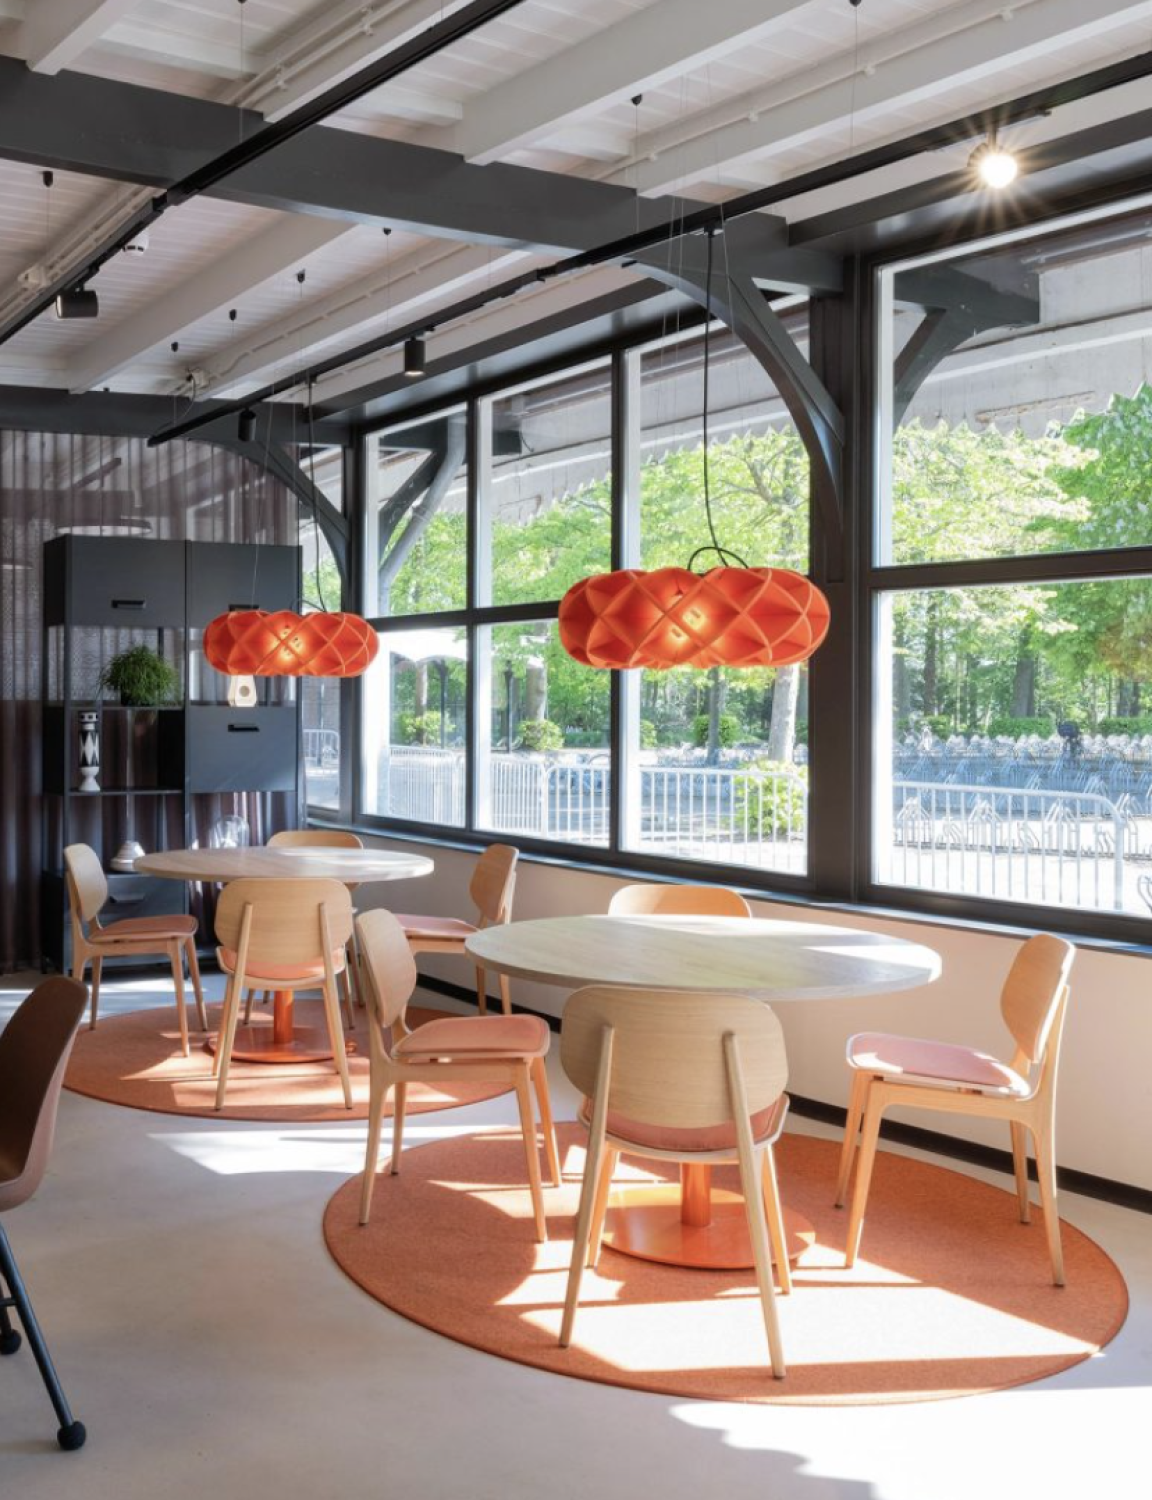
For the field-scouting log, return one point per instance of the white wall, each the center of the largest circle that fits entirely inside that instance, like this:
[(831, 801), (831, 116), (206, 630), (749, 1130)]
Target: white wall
[(1104, 1123)]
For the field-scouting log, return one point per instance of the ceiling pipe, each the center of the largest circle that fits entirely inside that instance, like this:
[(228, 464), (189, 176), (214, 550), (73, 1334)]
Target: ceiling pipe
[(1027, 106)]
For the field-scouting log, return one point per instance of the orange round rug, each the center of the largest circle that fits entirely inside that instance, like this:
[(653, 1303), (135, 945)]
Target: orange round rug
[(135, 1059), (950, 1297)]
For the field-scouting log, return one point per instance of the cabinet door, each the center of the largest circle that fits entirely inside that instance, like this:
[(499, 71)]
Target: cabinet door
[(127, 583), (223, 576), (241, 750)]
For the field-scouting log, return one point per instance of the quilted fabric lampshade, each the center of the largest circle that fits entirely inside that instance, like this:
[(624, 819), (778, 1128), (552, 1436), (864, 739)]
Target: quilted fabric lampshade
[(282, 643), (671, 617)]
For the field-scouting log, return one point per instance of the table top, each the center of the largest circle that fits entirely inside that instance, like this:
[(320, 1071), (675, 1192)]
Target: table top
[(773, 960), (309, 862)]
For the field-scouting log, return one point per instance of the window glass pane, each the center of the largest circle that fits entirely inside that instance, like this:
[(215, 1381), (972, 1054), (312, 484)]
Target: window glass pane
[(717, 760), (1017, 410), (323, 464), (544, 768), (320, 696), (417, 527), (415, 726), (548, 494), (1014, 743)]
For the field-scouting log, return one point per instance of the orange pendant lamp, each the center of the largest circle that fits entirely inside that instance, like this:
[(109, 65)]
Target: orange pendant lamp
[(282, 643), (672, 617)]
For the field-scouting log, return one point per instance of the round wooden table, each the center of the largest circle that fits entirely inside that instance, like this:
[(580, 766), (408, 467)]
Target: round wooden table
[(774, 961), (284, 1042)]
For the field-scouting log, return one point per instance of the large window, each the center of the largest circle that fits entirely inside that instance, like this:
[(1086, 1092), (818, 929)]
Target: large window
[(1013, 581), (486, 722)]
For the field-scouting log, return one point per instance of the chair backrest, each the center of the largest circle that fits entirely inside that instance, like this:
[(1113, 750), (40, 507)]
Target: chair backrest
[(494, 883), (315, 838), (668, 1064), (387, 964), (284, 921), (34, 1049), (678, 900), (1034, 992), (87, 887)]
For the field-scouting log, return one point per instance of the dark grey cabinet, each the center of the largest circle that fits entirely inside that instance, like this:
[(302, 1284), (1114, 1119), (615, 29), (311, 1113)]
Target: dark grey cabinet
[(223, 576), (241, 749), (124, 583)]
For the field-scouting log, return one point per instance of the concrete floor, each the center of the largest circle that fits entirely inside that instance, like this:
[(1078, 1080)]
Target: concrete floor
[(213, 1349)]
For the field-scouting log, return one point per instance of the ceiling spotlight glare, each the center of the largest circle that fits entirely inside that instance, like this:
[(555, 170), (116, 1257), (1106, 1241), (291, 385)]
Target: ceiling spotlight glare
[(78, 303), (246, 425), (414, 354), (995, 166)]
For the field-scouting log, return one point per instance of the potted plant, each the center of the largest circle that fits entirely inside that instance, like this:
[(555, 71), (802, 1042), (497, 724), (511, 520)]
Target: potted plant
[(142, 678)]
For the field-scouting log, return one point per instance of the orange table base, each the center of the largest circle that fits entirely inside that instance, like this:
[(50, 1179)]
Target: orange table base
[(693, 1225), (284, 1041)]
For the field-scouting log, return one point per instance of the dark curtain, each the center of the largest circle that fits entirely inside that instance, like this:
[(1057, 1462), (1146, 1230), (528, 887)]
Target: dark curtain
[(100, 486)]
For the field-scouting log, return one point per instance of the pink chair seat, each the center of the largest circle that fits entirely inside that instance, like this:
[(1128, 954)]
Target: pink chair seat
[(280, 973), (477, 1036), (766, 1126), (934, 1062), (133, 928), (435, 927)]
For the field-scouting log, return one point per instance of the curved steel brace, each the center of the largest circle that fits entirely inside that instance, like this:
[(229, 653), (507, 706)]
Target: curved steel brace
[(736, 298)]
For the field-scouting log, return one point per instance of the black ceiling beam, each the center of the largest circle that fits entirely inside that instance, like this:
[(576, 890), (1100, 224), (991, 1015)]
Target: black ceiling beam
[(434, 39), (125, 414)]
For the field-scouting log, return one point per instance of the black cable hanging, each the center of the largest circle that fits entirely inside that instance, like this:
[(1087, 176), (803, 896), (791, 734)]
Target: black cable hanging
[(723, 553)]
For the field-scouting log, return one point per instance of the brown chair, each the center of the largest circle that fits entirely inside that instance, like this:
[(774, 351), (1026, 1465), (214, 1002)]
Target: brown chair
[(499, 1049), (34, 1050), (325, 838), (900, 1071), (684, 1077), (174, 936), (678, 900), (492, 887), (282, 935)]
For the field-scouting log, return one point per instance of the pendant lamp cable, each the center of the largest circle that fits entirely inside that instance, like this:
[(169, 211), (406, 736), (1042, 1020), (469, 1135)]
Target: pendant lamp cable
[(312, 496), (723, 553)]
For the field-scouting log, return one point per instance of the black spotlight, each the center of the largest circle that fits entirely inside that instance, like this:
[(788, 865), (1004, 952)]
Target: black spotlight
[(78, 303), (414, 358), (246, 425)]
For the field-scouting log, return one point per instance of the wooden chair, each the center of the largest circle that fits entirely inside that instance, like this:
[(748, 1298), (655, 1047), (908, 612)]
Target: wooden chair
[(685, 1077), (901, 1071), (34, 1050), (324, 838), (492, 887), (174, 936), (678, 900), (500, 1049), (282, 935)]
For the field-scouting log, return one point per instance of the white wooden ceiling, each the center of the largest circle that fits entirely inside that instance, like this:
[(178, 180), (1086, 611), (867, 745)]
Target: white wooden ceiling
[(735, 94)]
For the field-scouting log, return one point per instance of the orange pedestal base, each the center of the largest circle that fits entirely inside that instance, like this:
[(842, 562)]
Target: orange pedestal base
[(693, 1225), (284, 1041)]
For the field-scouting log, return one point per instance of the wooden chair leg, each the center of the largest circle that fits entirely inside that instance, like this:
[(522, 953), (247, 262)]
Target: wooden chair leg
[(1020, 1168), (97, 971), (505, 994), (481, 991), (346, 992), (248, 1006), (377, 1097), (592, 1167), (548, 1125), (857, 1099), (761, 1254), (176, 958), (336, 1036), (353, 962), (531, 1150), (1042, 1136), (399, 1107), (197, 987), (774, 1215), (868, 1143), (600, 1205), (226, 1038), (79, 964), (218, 1050)]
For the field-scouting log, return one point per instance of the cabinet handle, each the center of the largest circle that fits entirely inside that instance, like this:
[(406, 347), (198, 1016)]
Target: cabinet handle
[(243, 729), (129, 603)]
